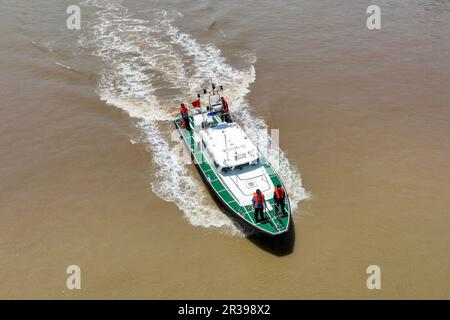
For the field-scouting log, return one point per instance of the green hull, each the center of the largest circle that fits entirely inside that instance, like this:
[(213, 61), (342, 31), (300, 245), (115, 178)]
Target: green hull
[(274, 224)]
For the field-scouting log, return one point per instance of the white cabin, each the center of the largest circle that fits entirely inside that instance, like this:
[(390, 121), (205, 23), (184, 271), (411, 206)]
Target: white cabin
[(235, 159), (229, 146)]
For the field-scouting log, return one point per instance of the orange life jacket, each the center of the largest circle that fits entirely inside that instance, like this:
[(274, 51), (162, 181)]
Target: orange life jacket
[(183, 111), (279, 193), (255, 196), (225, 106)]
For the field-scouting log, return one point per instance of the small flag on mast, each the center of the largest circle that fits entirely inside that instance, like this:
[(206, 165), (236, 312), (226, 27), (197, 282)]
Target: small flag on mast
[(196, 103)]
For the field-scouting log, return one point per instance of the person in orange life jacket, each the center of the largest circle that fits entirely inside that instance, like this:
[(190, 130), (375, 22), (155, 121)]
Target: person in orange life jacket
[(184, 115), (225, 111), (279, 196), (258, 204)]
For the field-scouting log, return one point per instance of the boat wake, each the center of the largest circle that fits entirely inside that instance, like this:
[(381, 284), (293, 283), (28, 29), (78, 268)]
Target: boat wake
[(149, 65)]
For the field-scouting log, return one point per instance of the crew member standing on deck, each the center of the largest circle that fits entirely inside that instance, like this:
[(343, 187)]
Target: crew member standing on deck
[(225, 110), (279, 196), (184, 115), (258, 204)]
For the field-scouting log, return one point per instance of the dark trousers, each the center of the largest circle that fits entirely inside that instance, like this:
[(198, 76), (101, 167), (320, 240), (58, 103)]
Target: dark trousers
[(225, 118), (279, 204), (187, 123), (259, 212)]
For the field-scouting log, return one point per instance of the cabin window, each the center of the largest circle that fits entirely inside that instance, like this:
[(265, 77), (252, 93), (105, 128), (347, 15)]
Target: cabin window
[(242, 166)]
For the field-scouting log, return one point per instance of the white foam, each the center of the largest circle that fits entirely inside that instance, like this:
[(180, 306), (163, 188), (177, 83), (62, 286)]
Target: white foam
[(63, 66), (140, 57)]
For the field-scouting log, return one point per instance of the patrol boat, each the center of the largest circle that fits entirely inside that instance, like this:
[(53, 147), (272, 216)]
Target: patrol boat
[(231, 165)]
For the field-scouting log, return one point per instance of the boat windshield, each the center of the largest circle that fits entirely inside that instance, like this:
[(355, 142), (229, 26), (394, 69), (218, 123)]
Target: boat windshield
[(221, 126)]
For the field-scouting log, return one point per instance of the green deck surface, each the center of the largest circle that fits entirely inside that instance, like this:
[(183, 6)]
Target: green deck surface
[(274, 224)]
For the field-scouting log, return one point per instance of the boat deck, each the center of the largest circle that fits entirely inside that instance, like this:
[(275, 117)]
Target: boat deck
[(273, 224)]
